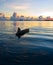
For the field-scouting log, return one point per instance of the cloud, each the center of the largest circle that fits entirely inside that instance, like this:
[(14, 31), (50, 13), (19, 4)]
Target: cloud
[(16, 4), (18, 7)]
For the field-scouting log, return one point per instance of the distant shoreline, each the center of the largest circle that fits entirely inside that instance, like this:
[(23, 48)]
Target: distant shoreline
[(26, 20), (15, 17)]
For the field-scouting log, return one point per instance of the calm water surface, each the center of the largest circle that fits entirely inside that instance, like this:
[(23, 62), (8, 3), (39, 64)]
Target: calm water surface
[(34, 48)]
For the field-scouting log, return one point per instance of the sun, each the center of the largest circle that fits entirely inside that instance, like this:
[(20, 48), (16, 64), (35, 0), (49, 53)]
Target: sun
[(48, 14)]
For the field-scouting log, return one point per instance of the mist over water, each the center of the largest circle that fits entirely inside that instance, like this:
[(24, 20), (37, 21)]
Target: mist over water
[(34, 48)]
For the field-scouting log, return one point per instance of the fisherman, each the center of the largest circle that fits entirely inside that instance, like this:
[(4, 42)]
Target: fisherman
[(21, 32)]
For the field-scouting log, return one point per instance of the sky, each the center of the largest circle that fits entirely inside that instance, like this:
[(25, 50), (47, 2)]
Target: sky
[(27, 7)]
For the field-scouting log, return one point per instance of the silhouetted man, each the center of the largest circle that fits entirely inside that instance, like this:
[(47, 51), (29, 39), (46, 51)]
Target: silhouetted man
[(21, 32)]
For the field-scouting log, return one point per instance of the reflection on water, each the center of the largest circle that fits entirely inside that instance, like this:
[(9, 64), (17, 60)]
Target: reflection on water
[(38, 29), (26, 24), (34, 48)]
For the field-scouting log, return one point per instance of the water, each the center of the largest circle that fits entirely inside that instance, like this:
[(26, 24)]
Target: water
[(34, 48)]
